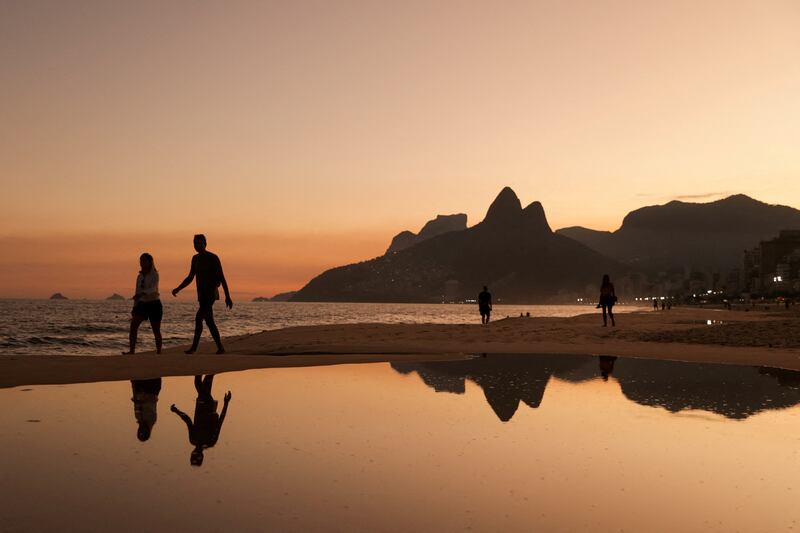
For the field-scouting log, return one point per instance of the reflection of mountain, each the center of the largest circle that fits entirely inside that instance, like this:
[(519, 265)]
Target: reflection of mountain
[(732, 391), (505, 379)]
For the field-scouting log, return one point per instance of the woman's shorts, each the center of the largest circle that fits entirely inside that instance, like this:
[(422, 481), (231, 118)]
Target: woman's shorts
[(152, 311), (607, 301)]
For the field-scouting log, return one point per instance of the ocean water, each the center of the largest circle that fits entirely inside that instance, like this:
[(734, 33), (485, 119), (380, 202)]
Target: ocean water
[(101, 327)]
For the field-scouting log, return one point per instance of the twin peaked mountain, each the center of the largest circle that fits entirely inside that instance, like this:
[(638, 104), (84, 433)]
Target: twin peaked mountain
[(514, 251)]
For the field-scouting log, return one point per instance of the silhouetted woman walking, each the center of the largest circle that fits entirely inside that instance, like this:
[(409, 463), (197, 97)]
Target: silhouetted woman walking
[(607, 299), (147, 303)]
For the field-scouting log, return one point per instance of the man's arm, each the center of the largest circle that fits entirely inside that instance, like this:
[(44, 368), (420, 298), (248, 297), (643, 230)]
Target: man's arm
[(185, 282), (224, 409), (228, 301), (182, 415)]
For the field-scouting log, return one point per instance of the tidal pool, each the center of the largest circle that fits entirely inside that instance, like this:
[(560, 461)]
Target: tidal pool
[(497, 443)]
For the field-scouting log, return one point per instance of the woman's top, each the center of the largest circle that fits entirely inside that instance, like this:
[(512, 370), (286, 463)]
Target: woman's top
[(607, 295), (147, 286), (607, 290)]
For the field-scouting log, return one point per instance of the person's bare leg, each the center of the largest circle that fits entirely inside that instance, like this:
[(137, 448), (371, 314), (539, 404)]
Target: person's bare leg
[(611, 315), (605, 320), (198, 330), (134, 333), (212, 327), (157, 334)]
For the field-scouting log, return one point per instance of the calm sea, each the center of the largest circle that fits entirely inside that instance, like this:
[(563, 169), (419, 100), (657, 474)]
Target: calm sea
[(101, 327)]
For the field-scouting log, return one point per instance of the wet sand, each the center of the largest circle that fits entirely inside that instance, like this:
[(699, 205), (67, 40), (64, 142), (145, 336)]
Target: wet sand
[(763, 338)]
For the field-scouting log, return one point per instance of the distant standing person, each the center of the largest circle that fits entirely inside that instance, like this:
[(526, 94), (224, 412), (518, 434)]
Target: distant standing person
[(146, 303), (607, 300), (655, 304), (207, 268), (485, 304)]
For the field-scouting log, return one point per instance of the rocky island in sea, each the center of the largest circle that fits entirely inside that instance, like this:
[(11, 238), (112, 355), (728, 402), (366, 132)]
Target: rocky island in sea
[(280, 297), (116, 296), (58, 296)]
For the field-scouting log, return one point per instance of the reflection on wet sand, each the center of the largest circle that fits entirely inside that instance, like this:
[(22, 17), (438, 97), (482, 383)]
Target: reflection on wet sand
[(204, 430), (145, 405), (735, 392)]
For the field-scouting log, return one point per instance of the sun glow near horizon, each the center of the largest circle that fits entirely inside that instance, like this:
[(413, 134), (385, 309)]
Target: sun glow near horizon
[(305, 135)]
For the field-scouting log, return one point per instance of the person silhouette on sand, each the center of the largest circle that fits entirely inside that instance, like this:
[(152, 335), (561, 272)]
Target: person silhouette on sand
[(606, 366), (204, 430), (607, 300), (146, 303), (145, 402), (207, 268), (485, 304)]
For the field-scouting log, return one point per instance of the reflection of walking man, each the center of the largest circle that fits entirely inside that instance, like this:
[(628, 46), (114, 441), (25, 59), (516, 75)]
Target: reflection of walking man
[(485, 304), (207, 268), (204, 430)]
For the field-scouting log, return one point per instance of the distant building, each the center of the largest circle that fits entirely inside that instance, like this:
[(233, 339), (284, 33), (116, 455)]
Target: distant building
[(774, 265)]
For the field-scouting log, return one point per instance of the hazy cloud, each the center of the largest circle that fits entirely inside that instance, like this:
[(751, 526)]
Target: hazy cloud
[(703, 196)]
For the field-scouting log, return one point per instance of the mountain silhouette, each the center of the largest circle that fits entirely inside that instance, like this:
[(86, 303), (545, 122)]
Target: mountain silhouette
[(513, 250), (709, 235), (735, 392), (441, 224)]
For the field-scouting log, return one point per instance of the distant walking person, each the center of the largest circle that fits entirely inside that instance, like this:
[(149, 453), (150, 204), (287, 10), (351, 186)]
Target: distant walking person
[(655, 304), (207, 268), (485, 304), (146, 303), (607, 300)]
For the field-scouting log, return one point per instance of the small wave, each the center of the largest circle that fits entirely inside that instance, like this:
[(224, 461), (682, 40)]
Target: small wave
[(91, 328), (48, 340)]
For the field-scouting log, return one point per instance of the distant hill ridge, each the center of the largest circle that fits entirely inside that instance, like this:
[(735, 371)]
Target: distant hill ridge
[(438, 226), (710, 235), (513, 250)]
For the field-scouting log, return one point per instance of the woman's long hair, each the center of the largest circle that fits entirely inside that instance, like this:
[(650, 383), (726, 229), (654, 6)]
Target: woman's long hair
[(149, 258), (605, 283)]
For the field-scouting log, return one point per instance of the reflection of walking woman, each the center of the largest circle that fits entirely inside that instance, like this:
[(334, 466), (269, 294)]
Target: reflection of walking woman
[(607, 300), (145, 402), (147, 305)]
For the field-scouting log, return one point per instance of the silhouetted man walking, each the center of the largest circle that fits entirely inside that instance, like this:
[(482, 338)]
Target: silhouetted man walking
[(207, 268), (485, 304)]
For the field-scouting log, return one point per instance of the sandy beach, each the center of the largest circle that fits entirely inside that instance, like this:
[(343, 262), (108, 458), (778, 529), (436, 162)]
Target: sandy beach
[(762, 338)]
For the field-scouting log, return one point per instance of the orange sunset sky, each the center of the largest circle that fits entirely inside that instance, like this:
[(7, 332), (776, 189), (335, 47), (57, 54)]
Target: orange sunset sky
[(303, 135)]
